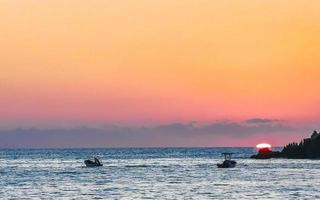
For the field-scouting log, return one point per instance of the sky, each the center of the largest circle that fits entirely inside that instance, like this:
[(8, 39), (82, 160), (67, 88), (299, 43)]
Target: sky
[(158, 73)]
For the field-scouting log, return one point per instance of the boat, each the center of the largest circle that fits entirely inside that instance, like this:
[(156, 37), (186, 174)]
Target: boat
[(227, 163), (95, 163)]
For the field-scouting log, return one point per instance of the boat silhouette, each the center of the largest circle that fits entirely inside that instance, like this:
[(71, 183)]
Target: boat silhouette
[(95, 163), (227, 163)]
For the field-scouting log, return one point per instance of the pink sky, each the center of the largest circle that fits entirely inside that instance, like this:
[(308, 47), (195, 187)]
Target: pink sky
[(66, 64)]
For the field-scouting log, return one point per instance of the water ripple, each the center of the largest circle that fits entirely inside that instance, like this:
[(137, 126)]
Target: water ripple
[(153, 174)]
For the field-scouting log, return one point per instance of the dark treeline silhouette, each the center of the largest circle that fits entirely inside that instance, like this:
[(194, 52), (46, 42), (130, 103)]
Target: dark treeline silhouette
[(308, 148)]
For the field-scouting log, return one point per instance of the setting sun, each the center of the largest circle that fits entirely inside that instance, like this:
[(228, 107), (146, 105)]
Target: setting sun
[(264, 147)]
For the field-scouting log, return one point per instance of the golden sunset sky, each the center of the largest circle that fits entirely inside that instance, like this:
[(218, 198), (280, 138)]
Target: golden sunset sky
[(159, 61)]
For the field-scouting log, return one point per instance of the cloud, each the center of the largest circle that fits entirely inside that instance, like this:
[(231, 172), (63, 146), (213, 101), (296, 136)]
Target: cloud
[(174, 134), (260, 120), (223, 128)]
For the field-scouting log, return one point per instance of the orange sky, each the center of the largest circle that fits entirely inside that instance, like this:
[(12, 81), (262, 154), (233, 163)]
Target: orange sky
[(159, 61)]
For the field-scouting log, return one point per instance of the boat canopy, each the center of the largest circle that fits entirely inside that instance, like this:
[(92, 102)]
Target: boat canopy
[(227, 156)]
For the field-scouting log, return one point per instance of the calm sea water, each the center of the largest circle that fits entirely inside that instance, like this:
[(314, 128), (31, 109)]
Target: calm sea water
[(154, 173)]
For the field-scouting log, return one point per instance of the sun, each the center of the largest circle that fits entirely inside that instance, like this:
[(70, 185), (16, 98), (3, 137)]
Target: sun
[(264, 147)]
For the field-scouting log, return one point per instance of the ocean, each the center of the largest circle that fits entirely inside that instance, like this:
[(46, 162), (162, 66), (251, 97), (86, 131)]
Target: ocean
[(153, 173)]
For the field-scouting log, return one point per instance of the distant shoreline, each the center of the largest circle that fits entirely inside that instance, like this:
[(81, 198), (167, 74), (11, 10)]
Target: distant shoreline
[(62, 148), (308, 148)]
